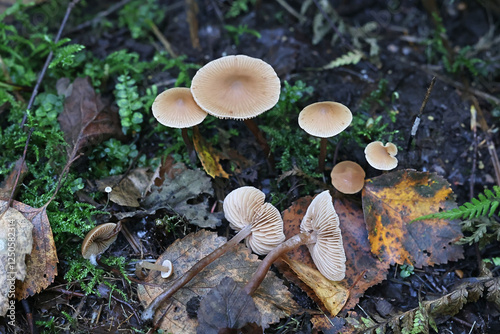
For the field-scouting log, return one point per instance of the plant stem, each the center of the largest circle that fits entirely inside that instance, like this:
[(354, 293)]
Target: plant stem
[(322, 155), (189, 143), (292, 243), (252, 126), (150, 311)]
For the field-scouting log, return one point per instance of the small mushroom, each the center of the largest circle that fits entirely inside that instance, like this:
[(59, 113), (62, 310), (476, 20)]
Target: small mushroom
[(348, 177), (324, 119), (259, 222), (176, 108), (380, 156), (321, 233), (238, 87), (98, 240), (167, 264)]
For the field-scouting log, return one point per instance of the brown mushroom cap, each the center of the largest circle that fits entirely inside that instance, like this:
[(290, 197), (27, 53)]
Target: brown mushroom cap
[(325, 119), (245, 206), (328, 251), (99, 239), (237, 87), (381, 157), (176, 108), (348, 177)]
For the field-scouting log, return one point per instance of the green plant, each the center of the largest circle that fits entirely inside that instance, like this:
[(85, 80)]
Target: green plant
[(183, 68), (237, 32), (129, 104), (138, 15), (238, 7), (406, 271), (48, 326)]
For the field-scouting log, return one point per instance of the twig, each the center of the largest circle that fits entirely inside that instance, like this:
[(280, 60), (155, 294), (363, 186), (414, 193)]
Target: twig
[(292, 11), (162, 39), (473, 127), (414, 128), (47, 61), (192, 11), (99, 16)]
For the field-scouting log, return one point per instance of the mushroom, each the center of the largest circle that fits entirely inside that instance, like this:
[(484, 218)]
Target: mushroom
[(238, 87), (98, 240), (324, 119), (348, 177), (176, 108), (259, 222), (321, 233), (380, 156)]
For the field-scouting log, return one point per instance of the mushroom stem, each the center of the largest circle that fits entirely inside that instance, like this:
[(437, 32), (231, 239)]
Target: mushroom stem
[(189, 144), (252, 126), (292, 243), (322, 155), (150, 311)]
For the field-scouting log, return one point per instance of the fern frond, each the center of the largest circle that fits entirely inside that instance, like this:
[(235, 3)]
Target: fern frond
[(350, 58), (484, 205)]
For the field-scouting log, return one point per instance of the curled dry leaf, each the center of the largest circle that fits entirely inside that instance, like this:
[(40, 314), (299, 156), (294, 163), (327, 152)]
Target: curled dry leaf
[(228, 307), (393, 200), (273, 300), (208, 156), (15, 242), (41, 264)]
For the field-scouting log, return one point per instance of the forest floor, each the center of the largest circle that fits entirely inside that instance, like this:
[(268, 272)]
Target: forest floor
[(387, 54)]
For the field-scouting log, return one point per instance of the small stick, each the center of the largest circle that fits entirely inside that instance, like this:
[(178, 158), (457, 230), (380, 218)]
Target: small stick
[(192, 11), (162, 38), (416, 122)]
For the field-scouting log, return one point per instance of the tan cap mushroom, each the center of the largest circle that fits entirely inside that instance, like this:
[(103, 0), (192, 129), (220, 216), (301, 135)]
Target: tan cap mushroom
[(325, 119), (245, 206), (238, 87), (348, 177), (328, 251), (176, 108), (98, 240), (381, 156)]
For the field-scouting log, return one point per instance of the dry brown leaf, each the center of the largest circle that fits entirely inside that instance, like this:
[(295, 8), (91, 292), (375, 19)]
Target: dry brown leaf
[(227, 308), (272, 298), (393, 200), (10, 181), (85, 120), (208, 156), (127, 190), (363, 269), (41, 263), (16, 241)]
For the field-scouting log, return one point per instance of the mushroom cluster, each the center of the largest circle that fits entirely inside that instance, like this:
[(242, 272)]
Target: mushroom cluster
[(236, 87)]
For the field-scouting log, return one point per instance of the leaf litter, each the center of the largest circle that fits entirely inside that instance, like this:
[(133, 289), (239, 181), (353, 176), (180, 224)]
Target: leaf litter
[(272, 299)]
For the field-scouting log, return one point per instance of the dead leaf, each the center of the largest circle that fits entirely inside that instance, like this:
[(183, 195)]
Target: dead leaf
[(363, 269), (333, 295), (184, 195), (392, 201), (85, 120), (41, 263), (10, 181), (330, 295), (228, 307), (16, 241), (208, 156), (127, 190), (272, 298)]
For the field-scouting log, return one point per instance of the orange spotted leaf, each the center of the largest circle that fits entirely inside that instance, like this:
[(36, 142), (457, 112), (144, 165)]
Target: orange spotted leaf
[(208, 156), (392, 201)]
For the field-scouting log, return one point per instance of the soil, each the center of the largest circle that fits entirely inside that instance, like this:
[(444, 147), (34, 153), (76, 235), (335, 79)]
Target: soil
[(443, 143)]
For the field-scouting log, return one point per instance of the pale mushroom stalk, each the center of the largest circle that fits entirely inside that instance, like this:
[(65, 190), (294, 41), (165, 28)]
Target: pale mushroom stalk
[(292, 243), (191, 273)]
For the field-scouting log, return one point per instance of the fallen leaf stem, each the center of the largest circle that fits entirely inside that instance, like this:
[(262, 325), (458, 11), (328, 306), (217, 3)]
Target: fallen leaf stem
[(150, 311), (292, 243)]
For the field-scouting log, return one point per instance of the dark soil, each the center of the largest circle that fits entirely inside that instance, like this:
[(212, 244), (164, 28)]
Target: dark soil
[(444, 142)]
